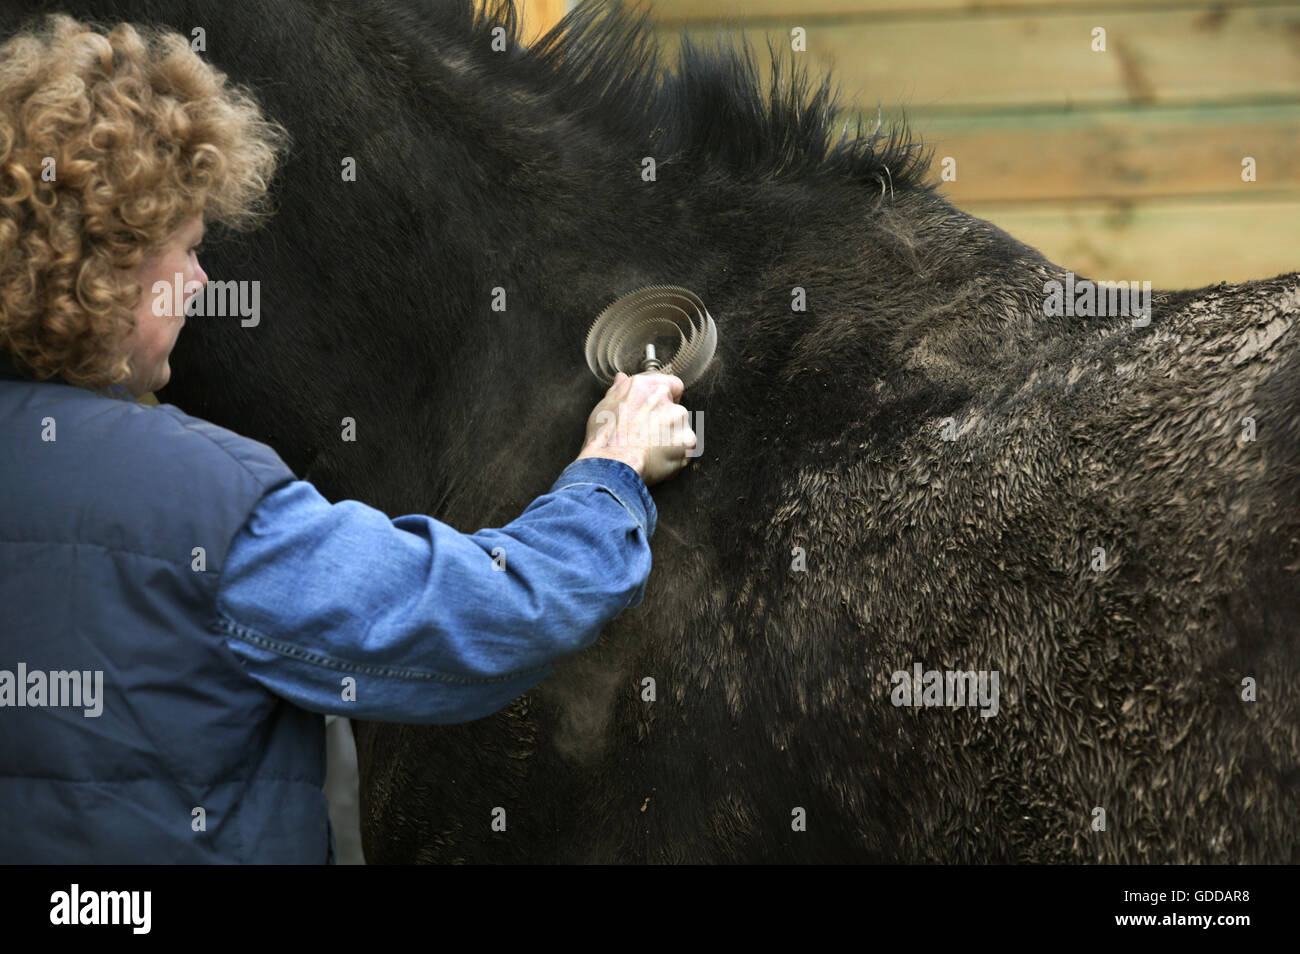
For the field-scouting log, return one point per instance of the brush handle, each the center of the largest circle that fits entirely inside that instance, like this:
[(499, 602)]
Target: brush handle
[(650, 362)]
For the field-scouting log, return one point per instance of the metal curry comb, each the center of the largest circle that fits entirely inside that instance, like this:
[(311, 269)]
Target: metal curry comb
[(662, 328)]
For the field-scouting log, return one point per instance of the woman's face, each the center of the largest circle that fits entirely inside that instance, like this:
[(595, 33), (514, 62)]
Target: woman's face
[(155, 335)]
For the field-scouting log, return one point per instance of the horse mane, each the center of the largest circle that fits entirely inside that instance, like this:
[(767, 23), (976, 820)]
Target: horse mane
[(602, 61)]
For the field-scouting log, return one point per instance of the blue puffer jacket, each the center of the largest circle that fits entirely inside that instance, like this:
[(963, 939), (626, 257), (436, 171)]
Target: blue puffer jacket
[(114, 523)]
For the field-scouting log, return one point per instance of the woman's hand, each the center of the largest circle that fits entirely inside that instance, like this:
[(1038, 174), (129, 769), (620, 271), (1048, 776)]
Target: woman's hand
[(640, 423)]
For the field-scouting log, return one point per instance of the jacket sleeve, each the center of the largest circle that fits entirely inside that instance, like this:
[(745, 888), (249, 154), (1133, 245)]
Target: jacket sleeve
[(340, 609)]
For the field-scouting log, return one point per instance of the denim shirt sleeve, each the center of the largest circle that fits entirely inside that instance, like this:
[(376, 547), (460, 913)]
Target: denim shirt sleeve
[(340, 609)]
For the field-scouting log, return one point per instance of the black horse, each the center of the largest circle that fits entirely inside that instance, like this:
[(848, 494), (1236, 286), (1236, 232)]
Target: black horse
[(913, 462)]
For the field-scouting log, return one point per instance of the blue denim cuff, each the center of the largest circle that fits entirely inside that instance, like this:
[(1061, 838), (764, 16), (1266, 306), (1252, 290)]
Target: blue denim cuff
[(624, 483)]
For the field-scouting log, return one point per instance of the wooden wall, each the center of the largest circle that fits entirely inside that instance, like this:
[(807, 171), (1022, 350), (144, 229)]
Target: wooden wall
[(540, 15), (1120, 164)]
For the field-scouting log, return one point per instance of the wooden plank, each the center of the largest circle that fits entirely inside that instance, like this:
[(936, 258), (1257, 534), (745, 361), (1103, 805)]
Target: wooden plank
[(1128, 152), (539, 16), (705, 10), (535, 16), (1171, 244), (1175, 56)]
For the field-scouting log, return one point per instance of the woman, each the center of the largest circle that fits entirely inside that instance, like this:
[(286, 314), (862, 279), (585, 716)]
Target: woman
[(180, 610)]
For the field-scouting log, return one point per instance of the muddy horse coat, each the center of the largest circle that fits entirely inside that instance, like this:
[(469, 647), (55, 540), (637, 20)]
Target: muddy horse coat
[(914, 465)]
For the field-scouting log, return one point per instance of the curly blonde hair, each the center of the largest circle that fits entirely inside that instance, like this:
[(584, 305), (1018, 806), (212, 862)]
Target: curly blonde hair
[(135, 134)]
